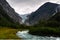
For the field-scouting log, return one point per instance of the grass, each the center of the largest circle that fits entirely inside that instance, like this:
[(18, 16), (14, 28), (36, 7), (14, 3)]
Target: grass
[(8, 33)]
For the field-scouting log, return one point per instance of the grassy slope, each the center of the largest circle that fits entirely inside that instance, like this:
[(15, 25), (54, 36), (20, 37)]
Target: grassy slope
[(8, 33)]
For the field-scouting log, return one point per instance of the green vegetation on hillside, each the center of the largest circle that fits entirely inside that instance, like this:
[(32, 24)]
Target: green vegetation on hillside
[(50, 27)]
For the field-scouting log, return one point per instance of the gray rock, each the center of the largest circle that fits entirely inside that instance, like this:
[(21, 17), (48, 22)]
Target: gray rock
[(44, 12), (10, 11)]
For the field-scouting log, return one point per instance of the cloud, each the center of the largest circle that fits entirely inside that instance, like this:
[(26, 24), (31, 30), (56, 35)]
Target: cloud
[(27, 6)]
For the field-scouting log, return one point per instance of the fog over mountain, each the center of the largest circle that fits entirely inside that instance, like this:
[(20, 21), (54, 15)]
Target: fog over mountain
[(28, 6)]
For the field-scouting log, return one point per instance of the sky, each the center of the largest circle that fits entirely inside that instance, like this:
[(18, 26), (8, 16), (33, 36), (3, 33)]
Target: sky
[(28, 6)]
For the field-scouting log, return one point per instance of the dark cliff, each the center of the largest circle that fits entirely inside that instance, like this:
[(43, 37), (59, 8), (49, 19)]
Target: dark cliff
[(9, 11), (45, 12)]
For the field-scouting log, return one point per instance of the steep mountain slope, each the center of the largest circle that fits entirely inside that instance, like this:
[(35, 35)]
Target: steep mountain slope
[(46, 11), (8, 17), (54, 21), (10, 11), (49, 28)]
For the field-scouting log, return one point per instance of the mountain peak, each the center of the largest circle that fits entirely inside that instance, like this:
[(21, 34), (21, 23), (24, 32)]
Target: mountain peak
[(42, 13), (49, 3)]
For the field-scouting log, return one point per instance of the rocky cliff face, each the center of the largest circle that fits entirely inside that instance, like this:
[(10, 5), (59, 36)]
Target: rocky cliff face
[(10, 11), (46, 11)]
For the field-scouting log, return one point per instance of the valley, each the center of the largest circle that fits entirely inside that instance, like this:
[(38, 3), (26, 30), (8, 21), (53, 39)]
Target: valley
[(45, 21)]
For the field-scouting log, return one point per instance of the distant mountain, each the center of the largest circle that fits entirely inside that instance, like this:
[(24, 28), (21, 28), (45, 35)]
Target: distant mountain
[(9, 11), (24, 17), (45, 12)]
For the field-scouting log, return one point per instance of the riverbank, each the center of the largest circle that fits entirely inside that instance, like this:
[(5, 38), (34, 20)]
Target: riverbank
[(45, 31), (8, 33)]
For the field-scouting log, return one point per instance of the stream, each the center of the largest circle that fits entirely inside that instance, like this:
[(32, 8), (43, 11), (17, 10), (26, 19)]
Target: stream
[(26, 36)]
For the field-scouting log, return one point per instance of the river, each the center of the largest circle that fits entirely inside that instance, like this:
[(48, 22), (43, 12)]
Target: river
[(26, 36)]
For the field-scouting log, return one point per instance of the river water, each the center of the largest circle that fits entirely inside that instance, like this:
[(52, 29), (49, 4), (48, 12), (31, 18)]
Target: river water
[(26, 36)]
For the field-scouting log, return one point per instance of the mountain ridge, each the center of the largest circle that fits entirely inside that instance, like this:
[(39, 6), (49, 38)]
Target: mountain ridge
[(42, 13), (10, 11)]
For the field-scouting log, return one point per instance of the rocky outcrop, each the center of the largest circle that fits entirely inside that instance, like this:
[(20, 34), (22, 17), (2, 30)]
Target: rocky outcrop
[(10, 11)]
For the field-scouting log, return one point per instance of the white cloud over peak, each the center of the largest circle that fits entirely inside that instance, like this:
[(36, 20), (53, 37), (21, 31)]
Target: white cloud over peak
[(28, 6)]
